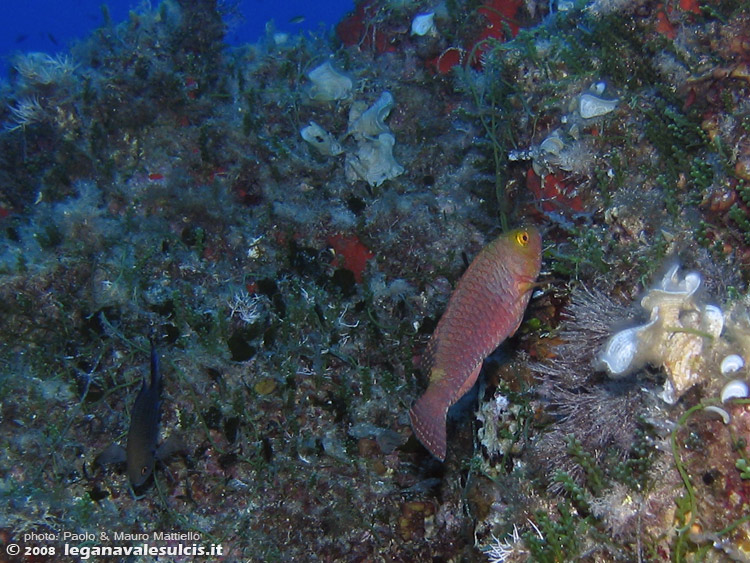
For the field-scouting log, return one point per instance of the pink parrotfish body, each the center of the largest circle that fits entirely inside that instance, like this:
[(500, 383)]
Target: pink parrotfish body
[(486, 307)]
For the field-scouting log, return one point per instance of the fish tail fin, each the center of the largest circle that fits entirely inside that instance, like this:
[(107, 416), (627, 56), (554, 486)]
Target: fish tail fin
[(428, 421)]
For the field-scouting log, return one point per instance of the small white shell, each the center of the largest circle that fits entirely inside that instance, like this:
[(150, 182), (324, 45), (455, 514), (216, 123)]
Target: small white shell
[(735, 389), (670, 278), (624, 351), (668, 394), (721, 412), (672, 289), (691, 283), (599, 87), (553, 144), (712, 321), (423, 24), (620, 351), (671, 282), (590, 106), (732, 364)]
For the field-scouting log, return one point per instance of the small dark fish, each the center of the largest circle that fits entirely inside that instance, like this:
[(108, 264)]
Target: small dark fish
[(144, 426), (21, 38), (141, 453), (52, 38), (297, 19)]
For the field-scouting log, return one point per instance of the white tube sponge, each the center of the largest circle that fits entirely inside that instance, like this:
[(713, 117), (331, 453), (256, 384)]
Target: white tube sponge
[(373, 162), (369, 124), (625, 352), (322, 140), (424, 24), (328, 84), (678, 338)]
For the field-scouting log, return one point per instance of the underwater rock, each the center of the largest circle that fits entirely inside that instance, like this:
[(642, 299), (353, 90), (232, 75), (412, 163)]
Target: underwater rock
[(742, 166), (549, 150), (373, 162), (328, 84), (325, 143), (370, 123), (683, 361), (500, 422), (678, 342), (558, 151)]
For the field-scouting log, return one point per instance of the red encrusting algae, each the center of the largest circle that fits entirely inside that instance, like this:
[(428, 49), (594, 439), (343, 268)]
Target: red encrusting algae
[(350, 254), (552, 193), (500, 15)]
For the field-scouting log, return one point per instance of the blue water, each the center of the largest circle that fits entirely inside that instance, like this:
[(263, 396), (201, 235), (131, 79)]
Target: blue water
[(50, 26)]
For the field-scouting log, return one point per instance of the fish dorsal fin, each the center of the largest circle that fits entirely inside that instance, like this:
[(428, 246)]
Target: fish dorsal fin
[(171, 446), (113, 454)]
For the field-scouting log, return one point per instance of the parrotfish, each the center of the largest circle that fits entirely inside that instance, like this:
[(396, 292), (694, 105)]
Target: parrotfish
[(486, 307)]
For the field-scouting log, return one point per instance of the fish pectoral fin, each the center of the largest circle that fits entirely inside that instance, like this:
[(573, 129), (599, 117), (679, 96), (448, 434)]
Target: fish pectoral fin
[(171, 446), (526, 285), (113, 454)]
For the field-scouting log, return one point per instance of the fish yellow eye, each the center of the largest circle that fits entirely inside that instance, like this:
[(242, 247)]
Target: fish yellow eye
[(522, 238)]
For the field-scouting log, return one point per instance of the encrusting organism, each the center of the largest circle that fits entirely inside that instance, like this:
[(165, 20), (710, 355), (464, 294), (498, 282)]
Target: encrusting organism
[(328, 84), (373, 162), (486, 307), (323, 141), (678, 335)]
